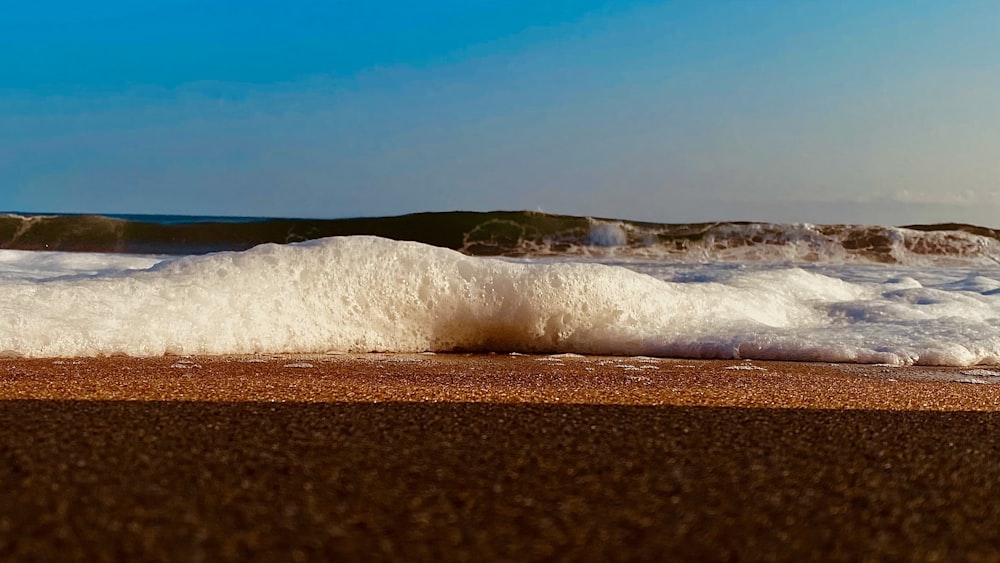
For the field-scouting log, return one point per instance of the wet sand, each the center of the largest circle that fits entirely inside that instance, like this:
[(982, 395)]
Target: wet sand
[(495, 458)]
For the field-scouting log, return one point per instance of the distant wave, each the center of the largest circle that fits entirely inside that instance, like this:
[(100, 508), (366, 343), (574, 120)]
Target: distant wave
[(515, 233)]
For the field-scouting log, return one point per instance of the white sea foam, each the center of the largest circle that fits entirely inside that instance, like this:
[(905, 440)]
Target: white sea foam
[(359, 294), (23, 264), (799, 242), (607, 234)]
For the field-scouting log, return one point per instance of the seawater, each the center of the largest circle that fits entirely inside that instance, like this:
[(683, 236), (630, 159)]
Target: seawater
[(364, 293), (516, 233)]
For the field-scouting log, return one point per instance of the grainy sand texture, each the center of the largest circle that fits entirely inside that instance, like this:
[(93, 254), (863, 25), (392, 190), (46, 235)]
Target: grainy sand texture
[(495, 457)]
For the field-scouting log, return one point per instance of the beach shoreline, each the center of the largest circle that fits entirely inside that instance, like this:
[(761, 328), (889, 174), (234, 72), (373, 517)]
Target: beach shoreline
[(497, 457), (502, 378)]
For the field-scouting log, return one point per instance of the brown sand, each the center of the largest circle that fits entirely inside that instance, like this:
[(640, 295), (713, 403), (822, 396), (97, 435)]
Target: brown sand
[(494, 458)]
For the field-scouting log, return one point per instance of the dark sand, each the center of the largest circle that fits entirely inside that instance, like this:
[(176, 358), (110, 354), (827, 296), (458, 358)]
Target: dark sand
[(494, 458)]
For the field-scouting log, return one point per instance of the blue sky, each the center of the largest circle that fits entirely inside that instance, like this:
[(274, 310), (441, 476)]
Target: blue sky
[(871, 112)]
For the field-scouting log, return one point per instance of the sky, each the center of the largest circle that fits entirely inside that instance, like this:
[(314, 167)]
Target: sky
[(881, 112)]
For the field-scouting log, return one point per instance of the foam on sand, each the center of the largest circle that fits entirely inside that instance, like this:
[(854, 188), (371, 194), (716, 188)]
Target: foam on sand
[(360, 294)]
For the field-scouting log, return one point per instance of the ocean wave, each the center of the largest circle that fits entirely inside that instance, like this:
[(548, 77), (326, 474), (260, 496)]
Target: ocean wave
[(518, 234), (362, 294)]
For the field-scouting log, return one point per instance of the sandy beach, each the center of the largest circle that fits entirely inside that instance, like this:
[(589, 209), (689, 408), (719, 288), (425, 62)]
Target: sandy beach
[(494, 457)]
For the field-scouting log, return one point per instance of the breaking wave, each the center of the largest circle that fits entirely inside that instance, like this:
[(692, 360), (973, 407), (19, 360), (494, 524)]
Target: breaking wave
[(518, 234)]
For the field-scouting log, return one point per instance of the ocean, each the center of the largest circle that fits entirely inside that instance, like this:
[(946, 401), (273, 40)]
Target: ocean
[(505, 282)]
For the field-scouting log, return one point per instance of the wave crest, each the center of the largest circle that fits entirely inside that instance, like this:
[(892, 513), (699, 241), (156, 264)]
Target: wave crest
[(519, 234)]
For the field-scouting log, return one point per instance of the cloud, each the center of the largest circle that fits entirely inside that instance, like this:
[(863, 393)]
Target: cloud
[(943, 197)]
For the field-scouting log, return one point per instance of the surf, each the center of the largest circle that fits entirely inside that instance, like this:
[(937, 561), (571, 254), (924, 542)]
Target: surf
[(517, 234), (364, 294)]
